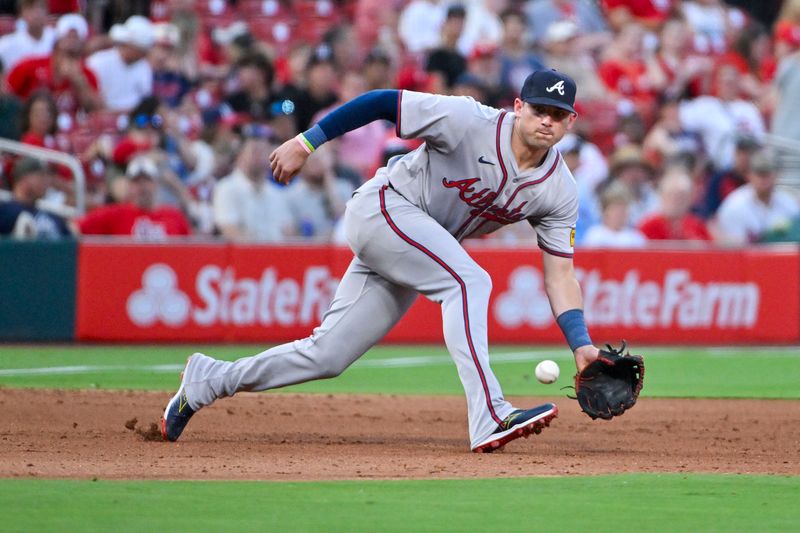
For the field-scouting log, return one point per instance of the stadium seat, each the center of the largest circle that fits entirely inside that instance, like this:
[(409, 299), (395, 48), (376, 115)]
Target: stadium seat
[(277, 31), (7, 24), (213, 8), (262, 8), (325, 9)]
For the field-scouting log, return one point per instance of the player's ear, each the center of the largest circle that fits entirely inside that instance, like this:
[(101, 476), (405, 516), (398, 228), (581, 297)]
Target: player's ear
[(518, 104), (572, 118)]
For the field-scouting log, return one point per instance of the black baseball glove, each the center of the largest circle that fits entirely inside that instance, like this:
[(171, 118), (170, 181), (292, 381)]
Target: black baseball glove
[(610, 384)]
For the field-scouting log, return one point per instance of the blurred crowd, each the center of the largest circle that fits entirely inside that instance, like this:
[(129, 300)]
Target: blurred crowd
[(173, 107)]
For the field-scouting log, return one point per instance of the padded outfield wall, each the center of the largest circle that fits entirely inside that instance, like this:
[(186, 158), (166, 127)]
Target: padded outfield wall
[(113, 291)]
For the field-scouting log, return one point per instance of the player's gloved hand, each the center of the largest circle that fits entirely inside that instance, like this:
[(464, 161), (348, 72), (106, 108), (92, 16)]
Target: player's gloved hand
[(610, 384), (287, 160)]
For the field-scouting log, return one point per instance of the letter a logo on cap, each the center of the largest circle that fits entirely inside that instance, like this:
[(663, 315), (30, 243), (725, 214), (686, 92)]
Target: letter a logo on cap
[(558, 86)]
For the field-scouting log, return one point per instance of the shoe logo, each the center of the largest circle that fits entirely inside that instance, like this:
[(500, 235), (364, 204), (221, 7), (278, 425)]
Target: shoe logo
[(559, 86), (485, 161), (183, 401), (509, 421), (159, 299)]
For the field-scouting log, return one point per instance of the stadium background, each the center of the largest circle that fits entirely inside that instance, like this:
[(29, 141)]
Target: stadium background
[(210, 287)]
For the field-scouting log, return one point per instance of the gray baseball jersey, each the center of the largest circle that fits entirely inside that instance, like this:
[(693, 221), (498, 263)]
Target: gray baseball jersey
[(466, 177), (405, 227)]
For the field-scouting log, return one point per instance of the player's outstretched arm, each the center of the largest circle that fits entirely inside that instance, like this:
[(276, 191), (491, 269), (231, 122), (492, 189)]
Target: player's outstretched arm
[(566, 301), (289, 158)]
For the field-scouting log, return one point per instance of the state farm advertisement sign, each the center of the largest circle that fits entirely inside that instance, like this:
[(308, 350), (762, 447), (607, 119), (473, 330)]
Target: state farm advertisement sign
[(655, 296), (273, 294), (212, 292)]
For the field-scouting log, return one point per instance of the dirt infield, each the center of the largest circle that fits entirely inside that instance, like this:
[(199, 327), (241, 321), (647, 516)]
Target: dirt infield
[(102, 434)]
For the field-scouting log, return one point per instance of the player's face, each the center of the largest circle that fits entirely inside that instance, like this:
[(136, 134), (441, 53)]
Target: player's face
[(542, 126)]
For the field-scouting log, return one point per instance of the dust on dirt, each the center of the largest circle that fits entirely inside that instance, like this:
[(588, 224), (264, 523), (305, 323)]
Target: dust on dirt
[(151, 433)]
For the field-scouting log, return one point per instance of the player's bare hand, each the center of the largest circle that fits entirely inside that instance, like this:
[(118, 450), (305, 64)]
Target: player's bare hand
[(287, 160), (585, 355)]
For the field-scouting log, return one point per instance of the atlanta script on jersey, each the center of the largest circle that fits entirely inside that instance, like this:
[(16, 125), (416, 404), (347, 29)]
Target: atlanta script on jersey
[(466, 176)]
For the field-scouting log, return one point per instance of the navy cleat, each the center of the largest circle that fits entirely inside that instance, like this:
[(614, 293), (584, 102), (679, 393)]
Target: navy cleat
[(520, 423), (177, 412)]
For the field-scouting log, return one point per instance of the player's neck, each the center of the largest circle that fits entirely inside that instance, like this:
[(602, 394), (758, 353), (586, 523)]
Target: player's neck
[(527, 157)]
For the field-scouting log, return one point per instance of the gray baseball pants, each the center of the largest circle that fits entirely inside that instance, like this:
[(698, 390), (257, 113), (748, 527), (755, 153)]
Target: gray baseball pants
[(400, 251)]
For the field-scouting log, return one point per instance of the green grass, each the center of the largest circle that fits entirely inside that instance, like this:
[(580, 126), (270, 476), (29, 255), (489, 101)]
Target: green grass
[(671, 372), (638, 502), (602, 503)]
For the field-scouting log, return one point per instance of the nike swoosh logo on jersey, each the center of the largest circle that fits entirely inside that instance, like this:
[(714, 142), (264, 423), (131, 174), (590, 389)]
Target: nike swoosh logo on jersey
[(485, 161)]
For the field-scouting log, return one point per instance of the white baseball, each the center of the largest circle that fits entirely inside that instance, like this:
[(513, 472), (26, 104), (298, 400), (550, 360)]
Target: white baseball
[(547, 371)]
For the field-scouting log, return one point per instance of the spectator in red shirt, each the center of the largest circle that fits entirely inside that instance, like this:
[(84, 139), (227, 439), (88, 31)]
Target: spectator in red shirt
[(674, 70), (751, 54), (63, 72), (624, 71), (673, 221), (139, 217)]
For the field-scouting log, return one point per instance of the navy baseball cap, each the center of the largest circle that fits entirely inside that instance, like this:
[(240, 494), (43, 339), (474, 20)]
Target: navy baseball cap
[(549, 87)]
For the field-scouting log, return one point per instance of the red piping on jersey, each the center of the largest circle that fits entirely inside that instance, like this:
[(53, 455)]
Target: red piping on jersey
[(526, 184), (399, 112), (464, 306), (551, 251), (502, 182)]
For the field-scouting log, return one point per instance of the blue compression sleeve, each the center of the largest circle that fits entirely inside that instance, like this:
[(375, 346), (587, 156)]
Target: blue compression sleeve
[(573, 326), (370, 106)]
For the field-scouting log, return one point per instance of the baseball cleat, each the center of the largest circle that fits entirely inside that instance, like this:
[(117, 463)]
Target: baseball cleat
[(177, 413), (520, 423)]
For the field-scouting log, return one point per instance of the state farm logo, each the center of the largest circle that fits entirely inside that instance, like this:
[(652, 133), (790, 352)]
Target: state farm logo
[(676, 300), (159, 299), (224, 298), (525, 302)]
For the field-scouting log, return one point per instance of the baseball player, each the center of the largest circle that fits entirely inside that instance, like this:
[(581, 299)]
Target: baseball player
[(480, 168)]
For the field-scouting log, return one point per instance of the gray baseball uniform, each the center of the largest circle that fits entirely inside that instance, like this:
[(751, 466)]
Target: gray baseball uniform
[(404, 227)]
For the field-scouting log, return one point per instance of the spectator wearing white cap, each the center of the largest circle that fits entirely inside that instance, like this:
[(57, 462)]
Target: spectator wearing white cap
[(139, 216), (123, 72), (32, 38), (63, 73), (564, 53)]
